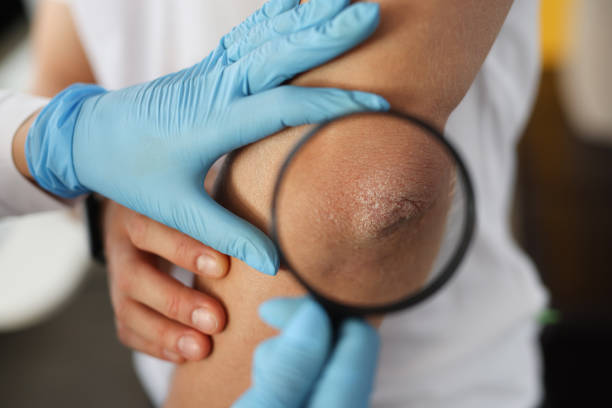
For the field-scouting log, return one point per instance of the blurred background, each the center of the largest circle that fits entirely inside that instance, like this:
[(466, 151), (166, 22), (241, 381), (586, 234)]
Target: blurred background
[(564, 198), (53, 352), (66, 354)]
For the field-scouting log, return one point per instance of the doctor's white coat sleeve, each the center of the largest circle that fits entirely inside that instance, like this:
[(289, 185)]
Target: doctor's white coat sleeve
[(18, 195)]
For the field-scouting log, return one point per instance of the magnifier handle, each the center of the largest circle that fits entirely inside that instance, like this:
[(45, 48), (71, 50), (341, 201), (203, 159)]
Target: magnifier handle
[(336, 324), (337, 318)]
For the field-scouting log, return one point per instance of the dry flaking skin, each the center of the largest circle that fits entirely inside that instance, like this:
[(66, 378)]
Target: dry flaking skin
[(380, 205), (364, 220)]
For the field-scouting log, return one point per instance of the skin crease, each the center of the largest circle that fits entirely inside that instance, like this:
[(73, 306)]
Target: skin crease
[(443, 44)]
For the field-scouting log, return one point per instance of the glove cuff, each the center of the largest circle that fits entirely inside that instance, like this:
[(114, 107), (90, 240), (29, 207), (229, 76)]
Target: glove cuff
[(48, 147)]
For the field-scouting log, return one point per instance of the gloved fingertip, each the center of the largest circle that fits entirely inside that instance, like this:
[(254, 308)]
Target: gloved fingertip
[(371, 101), (367, 11), (278, 312), (268, 264), (275, 7), (364, 17), (360, 331), (262, 256), (327, 8), (310, 318)]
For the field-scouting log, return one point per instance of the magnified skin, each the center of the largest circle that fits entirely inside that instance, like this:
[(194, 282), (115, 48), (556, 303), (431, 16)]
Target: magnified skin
[(362, 209), (423, 58)]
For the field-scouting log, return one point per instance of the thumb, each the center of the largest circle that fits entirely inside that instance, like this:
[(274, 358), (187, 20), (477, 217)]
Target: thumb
[(200, 217)]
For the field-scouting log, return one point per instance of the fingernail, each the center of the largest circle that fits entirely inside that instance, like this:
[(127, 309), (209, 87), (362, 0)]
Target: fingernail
[(204, 320), (172, 356), (189, 348), (208, 265)]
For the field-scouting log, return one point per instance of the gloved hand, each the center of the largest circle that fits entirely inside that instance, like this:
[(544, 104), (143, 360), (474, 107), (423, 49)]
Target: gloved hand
[(150, 146), (296, 369)]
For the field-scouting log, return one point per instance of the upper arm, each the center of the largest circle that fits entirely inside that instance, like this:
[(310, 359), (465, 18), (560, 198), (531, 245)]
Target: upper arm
[(423, 57), (60, 59)]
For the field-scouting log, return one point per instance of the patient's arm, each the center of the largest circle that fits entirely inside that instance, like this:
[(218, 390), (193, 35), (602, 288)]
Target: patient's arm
[(422, 59)]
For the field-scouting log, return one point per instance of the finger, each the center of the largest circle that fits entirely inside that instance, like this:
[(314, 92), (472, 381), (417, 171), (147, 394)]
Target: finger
[(169, 335), (286, 367), (134, 341), (270, 9), (165, 295), (281, 59), (347, 380), (179, 249), (200, 217), (296, 19), (294, 106), (278, 312)]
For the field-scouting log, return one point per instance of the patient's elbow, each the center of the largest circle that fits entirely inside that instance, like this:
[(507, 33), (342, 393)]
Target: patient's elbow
[(373, 174), (369, 202)]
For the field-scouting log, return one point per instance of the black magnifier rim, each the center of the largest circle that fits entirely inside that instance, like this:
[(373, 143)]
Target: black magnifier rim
[(338, 309)]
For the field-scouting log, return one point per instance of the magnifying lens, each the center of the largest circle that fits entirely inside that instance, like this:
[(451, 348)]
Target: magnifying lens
[(373, 213)]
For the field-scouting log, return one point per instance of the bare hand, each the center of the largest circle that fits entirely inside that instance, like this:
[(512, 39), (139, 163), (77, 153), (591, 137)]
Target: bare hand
[(156, 314)]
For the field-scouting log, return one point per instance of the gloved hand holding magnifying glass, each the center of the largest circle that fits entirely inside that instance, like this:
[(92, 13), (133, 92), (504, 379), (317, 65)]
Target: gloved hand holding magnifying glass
[(305, 367), (150, 146)]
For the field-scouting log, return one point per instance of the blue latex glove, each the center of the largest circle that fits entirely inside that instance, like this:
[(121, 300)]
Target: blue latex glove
[(149, 146), (296, 369)]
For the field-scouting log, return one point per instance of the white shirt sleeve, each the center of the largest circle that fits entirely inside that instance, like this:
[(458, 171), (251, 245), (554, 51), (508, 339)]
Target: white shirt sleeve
[(18, 195)]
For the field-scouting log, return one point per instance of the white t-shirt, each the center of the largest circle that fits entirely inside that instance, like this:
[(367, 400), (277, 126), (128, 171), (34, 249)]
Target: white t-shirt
[(472, 345)]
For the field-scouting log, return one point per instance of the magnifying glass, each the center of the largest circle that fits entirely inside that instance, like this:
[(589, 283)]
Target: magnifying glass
[(373, 213)]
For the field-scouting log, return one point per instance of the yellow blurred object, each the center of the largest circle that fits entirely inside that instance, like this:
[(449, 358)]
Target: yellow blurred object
[(584, 65), (554, 17)]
